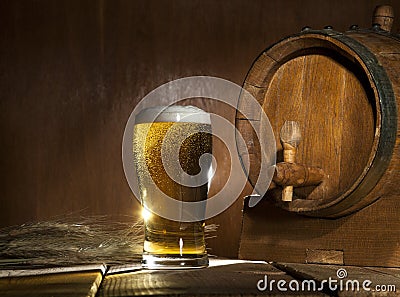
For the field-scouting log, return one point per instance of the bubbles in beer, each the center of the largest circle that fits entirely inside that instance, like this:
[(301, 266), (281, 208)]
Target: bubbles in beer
[(157, 146)]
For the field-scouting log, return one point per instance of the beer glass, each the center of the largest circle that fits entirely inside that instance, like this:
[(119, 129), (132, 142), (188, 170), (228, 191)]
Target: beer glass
[(168, 144)]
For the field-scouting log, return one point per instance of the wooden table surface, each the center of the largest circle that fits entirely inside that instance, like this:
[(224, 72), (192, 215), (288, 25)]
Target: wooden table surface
[(222, 278)]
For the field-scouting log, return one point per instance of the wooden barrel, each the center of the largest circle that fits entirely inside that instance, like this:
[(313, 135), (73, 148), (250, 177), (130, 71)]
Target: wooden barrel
[(344, 90)]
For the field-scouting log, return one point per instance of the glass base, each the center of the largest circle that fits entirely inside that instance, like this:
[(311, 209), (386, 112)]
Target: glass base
[(150, 261)]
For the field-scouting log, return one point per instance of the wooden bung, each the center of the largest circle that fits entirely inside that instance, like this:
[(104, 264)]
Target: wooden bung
[(383, 16)]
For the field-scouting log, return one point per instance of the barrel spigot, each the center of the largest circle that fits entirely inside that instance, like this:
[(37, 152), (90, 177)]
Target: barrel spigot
[(290, 136)]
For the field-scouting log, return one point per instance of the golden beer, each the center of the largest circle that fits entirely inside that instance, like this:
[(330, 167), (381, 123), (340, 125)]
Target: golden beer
[(171, 243)]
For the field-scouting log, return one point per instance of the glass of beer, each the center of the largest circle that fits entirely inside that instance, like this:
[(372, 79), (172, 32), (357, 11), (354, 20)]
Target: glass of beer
[(168, 145)]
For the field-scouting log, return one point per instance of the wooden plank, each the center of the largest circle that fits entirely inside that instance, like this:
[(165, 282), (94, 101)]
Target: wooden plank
[(391, 271), (20, 272), (61, 284), (247, 107), (346, 280), (367, 238), (233, 280), (258, 76), (318, 256)]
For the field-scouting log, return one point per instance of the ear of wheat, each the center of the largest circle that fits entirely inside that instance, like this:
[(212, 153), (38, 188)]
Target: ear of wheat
[(74, 241)]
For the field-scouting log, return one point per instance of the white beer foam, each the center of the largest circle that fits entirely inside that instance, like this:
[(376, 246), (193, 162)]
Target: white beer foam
[(173, 113)]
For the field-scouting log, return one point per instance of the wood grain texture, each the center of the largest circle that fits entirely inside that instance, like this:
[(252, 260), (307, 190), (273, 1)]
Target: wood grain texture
[(78, 284), (72, 71), (225, 279), (384, 16), (229, 280), (327, 94), (317, 256), (297, 175), (367, 238), (377, 279)]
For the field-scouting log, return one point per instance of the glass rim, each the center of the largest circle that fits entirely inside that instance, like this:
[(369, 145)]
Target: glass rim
[(173, 113)]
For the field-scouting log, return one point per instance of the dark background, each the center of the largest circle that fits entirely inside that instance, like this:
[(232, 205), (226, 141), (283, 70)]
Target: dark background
[(72, 71)]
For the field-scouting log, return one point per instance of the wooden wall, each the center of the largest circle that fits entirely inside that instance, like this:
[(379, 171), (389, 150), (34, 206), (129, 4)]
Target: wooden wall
[(72, 71)]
